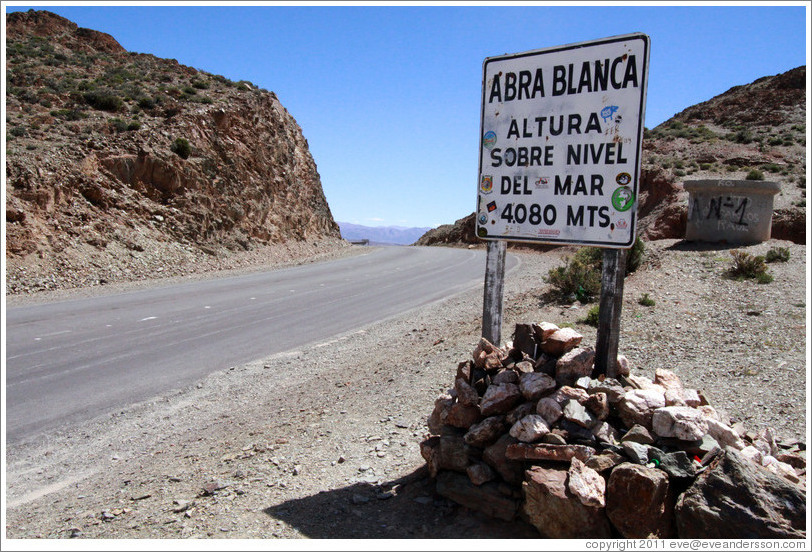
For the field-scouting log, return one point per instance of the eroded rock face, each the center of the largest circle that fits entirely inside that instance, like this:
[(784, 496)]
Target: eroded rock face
[(121, 188)]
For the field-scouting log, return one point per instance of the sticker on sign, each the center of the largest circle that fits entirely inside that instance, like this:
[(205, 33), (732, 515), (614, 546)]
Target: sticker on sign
[(560, 143)]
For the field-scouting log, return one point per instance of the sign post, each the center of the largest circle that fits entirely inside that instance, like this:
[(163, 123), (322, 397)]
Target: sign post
[(560, 145), (494, 285)]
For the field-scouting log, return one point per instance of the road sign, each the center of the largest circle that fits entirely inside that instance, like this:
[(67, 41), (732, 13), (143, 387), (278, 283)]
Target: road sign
[(560, 143)]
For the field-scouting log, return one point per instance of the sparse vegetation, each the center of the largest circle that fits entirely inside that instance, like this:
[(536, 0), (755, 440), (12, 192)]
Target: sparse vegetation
[(580, 276), (592, 316), (646, 301), (182, 147), (754, 174), (747, 266), (777, 255)]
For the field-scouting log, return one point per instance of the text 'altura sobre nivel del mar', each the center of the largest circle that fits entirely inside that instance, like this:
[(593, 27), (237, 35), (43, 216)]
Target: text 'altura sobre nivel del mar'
[(591, 76)]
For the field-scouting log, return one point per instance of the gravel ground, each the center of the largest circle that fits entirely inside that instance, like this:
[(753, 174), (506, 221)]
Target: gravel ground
[(323, 442)]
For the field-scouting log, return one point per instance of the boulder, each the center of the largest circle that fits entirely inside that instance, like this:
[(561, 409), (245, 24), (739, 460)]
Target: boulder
[(499, 399), (462, 416), (485, 498), (735, 499), (682, 422), (529, 429), (552, 509), (586, 484), (442, 405), (550, 410), (638, 405), (610, 387), (496, 457), (561, 341), (466, 394), (520, 412), (639, 502), (480, 473), (486, 432), (505, 376), (575, 364), (535, 384), (639, 434), (565, 393), (576, 413), (725, 435), (543, 451), (605, 460)]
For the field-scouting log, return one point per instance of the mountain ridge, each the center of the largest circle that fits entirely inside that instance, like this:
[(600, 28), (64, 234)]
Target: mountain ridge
[(137, 164)]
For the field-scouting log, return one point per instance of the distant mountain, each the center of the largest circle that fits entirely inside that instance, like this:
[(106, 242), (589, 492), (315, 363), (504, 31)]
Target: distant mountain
[(395, 235)]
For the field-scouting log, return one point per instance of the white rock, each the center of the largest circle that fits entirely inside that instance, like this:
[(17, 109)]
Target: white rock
[(529, 429), (682, 422), (725, 435), (752, 453), (638, 405), (586, 484)]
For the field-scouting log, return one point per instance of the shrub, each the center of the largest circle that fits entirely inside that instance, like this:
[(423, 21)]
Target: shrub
[(577, 279), (777, 255), (593, 316), (580, 277), (646, 301), (118, 125), (201, 85), (146, 103), (750, 266), (754, 174), (105, 101), (182, 147)]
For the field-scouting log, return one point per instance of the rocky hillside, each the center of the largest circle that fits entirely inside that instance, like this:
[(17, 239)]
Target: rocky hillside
[(756, 131), (127, 163)]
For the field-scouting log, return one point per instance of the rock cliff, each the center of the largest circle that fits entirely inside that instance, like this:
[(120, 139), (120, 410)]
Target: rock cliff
[(128, 162)]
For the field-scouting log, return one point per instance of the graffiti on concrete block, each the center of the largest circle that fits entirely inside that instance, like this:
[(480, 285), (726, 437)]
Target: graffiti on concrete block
[(731, 212)]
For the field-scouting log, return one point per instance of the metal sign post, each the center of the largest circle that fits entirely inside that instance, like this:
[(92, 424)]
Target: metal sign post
[(559, 160)]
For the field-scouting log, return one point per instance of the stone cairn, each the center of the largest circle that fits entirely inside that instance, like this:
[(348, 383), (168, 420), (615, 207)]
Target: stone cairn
[(527, 432)]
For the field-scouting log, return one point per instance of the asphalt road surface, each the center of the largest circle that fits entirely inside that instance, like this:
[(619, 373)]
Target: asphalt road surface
[(70, 361)]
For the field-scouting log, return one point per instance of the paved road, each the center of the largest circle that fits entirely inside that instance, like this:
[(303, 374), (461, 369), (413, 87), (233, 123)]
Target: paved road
[(70, 361)]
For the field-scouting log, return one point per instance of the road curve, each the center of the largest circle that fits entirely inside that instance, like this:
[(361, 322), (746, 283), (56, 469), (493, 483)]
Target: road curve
[(70, 361)]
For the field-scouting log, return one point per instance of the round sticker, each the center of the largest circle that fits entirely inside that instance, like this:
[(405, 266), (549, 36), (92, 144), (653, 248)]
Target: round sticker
[(489, 140), (622, 199), (624, 178)]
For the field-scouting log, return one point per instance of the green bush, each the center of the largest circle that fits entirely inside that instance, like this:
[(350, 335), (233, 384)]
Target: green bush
[(105, 101), (777, 255), (646, 301), (754, 174), (182, 147), (749, 266), (578, 279), (593, 316)]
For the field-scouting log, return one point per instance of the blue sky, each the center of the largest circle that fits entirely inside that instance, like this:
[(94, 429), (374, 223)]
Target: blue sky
[(388, 96)]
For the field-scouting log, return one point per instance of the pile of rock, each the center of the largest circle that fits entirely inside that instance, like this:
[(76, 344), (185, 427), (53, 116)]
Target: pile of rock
[(528, 431)]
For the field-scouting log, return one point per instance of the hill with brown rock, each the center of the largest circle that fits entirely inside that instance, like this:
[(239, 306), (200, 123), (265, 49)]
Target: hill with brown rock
[(123, 166), (756, 131)]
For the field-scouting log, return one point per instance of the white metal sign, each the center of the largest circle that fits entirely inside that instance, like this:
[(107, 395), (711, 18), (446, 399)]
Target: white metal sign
[(560, 143)]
